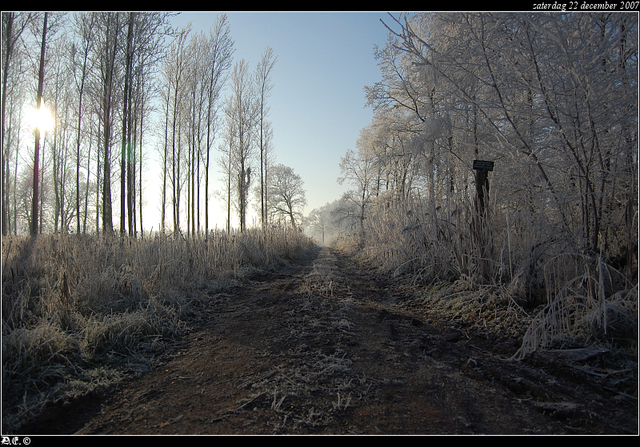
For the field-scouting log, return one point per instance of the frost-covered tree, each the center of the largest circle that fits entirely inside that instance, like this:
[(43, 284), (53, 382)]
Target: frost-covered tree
[(286, 194), (550, 98), (241, 114), (263, 90)]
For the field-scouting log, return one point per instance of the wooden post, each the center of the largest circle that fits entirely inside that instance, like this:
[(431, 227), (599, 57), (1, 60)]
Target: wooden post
[(482, 169)]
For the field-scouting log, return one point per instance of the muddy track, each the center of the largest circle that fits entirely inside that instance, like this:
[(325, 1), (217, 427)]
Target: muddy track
[(327, 347)]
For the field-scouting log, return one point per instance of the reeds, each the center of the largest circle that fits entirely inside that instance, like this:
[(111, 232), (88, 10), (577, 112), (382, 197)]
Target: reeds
[(81, 310)]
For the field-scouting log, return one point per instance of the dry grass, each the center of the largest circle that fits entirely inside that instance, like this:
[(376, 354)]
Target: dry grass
[(588, 301), (520, 280), (80, 312)]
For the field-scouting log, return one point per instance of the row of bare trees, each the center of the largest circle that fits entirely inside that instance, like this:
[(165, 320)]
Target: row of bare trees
[(550, 98), (196, 70), (95, 74), (193, 76), (123, 87)]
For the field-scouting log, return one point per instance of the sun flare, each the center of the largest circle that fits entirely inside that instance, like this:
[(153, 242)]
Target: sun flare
[(41, 118)]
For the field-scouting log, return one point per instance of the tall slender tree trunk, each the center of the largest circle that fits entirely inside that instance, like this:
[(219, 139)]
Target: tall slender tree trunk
[(5, 72), (80, 98), (163, 206), (140, 167), (111, 48), (126, 130), (36, 159)]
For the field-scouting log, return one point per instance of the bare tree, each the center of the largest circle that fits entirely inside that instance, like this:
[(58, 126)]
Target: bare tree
[(80, 53), (195, 134), (318, 221), (219, 62), (359, 170), (323, 220), (127, 118), (224, 161), (548, 97), (263, 89), (194, 75), (13, 141), (144, 35), (110, 29), (13, 25), (286, 194), (36, 159), (241, 113), (175, 78), (60, 154), (164, 155)]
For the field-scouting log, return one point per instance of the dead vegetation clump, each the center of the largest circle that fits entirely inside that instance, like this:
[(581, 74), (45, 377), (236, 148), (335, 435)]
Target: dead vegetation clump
[(80, 312)]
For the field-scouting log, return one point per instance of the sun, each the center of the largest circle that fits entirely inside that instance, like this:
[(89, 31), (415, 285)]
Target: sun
[(41, 118)]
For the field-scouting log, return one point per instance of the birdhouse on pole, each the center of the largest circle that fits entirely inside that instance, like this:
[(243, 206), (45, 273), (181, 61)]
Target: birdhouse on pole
[(482, 168), (482, 165), (480, 226)]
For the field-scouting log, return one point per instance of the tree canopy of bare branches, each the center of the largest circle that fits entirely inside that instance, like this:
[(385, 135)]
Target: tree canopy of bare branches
[(550, 99)]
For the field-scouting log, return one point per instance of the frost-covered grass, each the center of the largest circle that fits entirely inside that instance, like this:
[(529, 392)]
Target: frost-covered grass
[(80, 312), (527, 282)]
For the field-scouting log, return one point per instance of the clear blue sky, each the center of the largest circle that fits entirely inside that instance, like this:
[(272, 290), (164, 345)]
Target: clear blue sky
[(318, 105)]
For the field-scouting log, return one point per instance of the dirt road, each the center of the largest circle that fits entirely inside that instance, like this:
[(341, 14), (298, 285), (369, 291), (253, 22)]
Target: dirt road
[(327, 347)]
